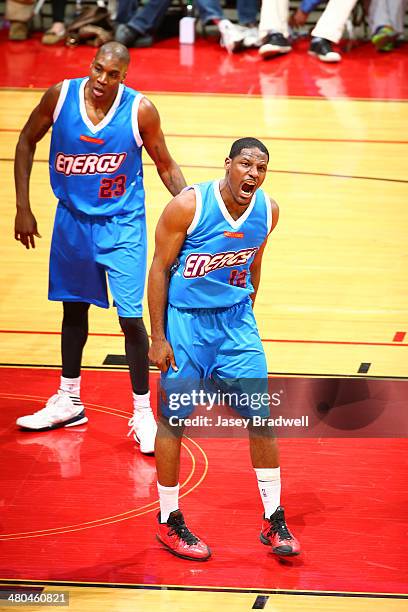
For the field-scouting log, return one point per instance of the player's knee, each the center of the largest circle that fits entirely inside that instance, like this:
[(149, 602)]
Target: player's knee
[(134, 329), (75, 313)]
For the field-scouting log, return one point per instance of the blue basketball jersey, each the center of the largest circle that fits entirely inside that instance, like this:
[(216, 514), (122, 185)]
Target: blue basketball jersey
[(97, 169), (213, 266)]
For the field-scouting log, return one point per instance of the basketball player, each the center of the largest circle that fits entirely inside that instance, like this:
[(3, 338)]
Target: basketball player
[(99, 128), (211, 239)]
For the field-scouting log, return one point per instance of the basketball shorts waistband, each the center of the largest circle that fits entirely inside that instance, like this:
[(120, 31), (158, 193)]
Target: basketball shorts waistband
[(218, 310)]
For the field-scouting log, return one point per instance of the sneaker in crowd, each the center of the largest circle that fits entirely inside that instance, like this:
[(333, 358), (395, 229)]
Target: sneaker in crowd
[(179, 540), (143, 428), (323, 49), (55, 34), (132, 38), (274, 44), (384, 38), (251, 37), (61, 410), (232, 36), (18, 30), (275, 533)]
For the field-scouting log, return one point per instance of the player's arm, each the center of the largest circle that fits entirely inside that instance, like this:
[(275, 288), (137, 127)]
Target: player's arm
[(155, 144), (170, 234), (39, 122), (257, 263)]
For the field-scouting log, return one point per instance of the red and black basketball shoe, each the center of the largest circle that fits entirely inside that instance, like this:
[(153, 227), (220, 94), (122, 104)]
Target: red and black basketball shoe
[(275, 533), (179, 540)]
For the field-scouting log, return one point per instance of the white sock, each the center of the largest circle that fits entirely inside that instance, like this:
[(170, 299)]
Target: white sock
[(71, 385), (141, 402), (269, 483), (168, 497)]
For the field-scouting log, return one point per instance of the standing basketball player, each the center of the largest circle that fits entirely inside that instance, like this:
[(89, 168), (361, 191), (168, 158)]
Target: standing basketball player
[(99, 128), (211, 239)]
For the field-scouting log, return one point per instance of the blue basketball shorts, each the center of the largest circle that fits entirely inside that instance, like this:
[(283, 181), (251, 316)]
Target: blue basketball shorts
[(214, 349), (86, 251)]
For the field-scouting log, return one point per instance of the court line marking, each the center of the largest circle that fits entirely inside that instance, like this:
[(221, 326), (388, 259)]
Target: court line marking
[(269, 171), (273, 374), (104, 520), (215, 589), (208, 94), (273, 138), (277, 340)]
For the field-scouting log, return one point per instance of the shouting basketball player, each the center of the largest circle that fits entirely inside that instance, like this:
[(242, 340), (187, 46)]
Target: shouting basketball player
[(98, 129), (202, 286)]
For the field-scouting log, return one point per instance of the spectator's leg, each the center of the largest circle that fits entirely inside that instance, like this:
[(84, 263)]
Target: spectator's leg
[(274, 17), (387, 13), (56, 32), (273, 28), (247, 11), (19, 13), (386, 19), (331, 24), (209, 10), (149, 17), (126, 9), (58, 10)]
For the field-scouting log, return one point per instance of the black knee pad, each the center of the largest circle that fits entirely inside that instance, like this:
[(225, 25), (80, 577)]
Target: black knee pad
[(76, 313), (134, 329)]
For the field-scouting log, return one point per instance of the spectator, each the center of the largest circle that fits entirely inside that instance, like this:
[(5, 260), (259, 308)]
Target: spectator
[(386, 21), (273, 29), (136, 26), (19, 14), (233, 37), (56, 32)]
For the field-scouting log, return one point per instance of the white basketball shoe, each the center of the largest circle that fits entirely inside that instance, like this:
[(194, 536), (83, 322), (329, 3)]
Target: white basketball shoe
[(61, 410), (143, 428)]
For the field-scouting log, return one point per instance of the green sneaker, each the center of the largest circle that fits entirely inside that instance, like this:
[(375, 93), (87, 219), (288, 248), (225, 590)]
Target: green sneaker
[(384, 38)]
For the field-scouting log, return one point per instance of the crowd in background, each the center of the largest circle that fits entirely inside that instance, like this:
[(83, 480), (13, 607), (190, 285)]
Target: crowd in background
[(267, 25)]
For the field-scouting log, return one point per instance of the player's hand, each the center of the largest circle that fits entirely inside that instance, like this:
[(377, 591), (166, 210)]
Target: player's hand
[(25, 228), (161, 354)]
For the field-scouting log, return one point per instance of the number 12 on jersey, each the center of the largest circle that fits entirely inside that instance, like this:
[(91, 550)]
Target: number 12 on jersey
[(238, 278)]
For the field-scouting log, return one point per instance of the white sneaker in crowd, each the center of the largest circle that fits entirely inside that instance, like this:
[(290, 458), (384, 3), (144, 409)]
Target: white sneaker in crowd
[(143, 427), (61, 410), (251, 38), (232, 36)]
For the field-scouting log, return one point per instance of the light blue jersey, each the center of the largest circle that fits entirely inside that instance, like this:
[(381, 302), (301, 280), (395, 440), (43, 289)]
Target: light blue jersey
[(213, 267), (97, 169)]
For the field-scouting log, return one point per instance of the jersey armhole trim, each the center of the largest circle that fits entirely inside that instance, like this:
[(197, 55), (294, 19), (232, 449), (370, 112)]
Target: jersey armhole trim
[(197, 214), (268, 205), (135, 121), (61, 99)]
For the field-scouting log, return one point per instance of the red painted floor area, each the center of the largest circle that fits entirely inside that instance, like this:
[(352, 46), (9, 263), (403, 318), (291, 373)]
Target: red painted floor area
[(205, 67), (80, 504)]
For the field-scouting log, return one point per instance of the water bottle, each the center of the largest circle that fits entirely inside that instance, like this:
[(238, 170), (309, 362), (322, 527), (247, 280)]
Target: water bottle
[(187, 27)]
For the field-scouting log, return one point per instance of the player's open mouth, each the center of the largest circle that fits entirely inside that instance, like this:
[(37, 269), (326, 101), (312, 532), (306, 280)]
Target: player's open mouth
[(97, 92), (248, 188)]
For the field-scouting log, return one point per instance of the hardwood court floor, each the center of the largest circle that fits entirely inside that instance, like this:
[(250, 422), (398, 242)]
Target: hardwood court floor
[(333, 290), (332, 297)]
